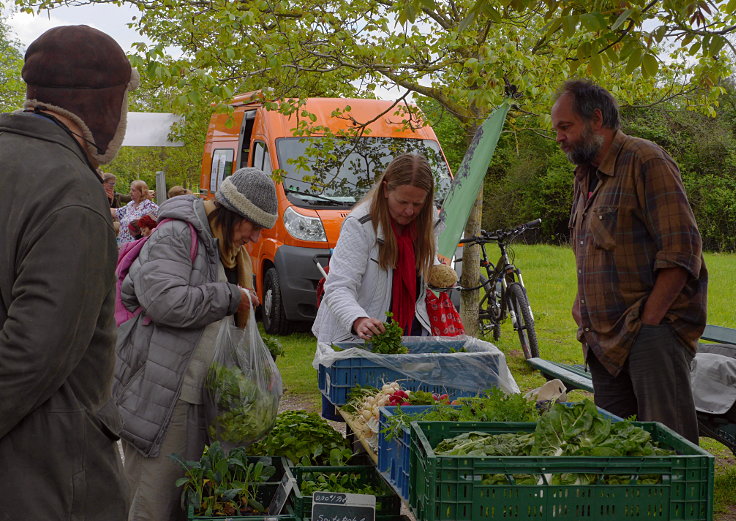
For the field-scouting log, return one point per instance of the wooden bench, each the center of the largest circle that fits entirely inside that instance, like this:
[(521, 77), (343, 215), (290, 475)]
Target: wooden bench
[(573, 376), (719, 334), (577, 377)]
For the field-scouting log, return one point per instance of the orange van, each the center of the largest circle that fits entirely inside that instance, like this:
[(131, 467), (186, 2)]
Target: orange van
[(318, 180)]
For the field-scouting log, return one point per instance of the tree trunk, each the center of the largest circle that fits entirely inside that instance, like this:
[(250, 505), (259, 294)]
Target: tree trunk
[(471, 271), (471, 259)]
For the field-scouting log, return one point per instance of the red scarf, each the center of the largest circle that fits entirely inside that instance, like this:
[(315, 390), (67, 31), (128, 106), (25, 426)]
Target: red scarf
[(404, 287)]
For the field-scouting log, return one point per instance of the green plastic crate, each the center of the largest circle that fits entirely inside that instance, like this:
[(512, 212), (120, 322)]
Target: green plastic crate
[(192, 517), (387, 503), (444, 488)]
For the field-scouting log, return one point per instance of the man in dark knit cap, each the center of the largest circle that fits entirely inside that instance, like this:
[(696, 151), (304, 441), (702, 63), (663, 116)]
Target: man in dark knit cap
[(58, 430)]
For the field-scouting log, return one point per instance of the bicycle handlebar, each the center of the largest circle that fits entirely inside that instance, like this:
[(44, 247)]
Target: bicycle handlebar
[(500, 235)]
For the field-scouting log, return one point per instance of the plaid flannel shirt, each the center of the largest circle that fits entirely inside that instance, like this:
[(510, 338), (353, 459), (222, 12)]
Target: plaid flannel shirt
[(636, 221)]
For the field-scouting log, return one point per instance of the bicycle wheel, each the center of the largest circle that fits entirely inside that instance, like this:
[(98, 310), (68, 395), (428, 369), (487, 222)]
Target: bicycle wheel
[(489, 310), (524, 326)]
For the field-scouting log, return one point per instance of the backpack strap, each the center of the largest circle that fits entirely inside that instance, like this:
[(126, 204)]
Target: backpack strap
[(194, 236)]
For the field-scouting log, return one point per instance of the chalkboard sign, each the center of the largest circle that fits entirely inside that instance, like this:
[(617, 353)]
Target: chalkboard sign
[(337, 506)]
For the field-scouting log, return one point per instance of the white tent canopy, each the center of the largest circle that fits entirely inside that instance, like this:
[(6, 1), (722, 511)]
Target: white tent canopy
[(150, 129)]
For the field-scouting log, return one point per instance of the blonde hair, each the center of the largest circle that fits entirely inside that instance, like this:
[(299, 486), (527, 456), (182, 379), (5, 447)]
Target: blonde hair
[(411, 170), (143, 188), (177, 190)]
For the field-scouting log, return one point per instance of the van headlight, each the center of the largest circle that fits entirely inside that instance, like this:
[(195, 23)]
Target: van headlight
[(304, 228)]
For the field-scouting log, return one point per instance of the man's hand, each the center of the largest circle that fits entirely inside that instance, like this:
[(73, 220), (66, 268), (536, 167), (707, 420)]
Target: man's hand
[(667, 287)]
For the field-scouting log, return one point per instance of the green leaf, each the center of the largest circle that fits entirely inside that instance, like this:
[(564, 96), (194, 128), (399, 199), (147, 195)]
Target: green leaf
[(587, 48), (569, 24), (194, 97), (554, 25), (593, 21), (660, 33), (622, 18), (630, 45), (595, 65), (634, 61), (248, 18), (716, 44), (649, 65)]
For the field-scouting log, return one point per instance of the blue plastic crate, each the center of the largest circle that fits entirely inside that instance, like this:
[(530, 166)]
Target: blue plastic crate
[(329, 412), (336, 380), (393, 454)]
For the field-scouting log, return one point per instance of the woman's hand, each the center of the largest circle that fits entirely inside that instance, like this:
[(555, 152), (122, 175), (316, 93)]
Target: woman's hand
[(366, 327), (247, 298)]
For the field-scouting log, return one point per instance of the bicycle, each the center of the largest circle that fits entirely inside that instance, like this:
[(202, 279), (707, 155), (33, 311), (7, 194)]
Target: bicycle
[(504, 294)]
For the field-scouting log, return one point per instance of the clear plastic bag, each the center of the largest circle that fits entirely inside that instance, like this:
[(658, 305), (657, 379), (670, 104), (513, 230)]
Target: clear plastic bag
[(456, 362), (242, 388)]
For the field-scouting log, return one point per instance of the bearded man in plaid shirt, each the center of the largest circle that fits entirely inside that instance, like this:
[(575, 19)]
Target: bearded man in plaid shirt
[(642, 282)]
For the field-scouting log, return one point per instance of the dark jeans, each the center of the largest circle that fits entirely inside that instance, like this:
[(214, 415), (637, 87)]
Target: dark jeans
[(654, 384)]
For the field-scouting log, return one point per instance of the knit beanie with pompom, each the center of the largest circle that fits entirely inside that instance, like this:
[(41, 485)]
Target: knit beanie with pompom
[(251, 194)]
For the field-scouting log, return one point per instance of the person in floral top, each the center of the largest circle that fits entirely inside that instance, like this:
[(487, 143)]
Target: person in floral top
[(139, 206)]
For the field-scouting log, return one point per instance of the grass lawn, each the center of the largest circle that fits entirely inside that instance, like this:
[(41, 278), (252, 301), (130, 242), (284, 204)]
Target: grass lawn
[(549, 276)]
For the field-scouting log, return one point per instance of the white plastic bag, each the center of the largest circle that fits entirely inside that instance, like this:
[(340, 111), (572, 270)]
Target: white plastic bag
[(242, 388)]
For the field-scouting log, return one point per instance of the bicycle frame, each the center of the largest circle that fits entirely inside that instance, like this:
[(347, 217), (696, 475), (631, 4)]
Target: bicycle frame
[(499, 277)]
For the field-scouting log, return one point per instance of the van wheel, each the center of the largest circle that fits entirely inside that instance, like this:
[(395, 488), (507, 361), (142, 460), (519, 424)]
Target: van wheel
[(274, 318)]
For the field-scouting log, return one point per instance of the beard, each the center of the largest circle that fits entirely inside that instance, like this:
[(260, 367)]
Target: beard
[(584, 151)]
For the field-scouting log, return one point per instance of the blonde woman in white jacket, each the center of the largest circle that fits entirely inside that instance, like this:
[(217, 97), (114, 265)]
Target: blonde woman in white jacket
[(386, 247)]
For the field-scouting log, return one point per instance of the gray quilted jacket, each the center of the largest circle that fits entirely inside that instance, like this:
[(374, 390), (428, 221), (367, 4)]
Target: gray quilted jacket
[(180, 299)]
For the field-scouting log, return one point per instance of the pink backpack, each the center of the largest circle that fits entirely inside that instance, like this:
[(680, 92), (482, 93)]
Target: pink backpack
[(127, 254)]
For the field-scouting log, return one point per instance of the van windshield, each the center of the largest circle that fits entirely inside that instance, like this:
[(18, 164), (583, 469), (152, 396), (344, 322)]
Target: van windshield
[(331, 172)]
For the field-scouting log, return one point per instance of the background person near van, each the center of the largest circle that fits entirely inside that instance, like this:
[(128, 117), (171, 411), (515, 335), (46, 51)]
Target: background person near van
[(139, 206), (382, 257), (135, 229), (116, 199), (58, 429), (146, 225), (159, 375), (178, 190)]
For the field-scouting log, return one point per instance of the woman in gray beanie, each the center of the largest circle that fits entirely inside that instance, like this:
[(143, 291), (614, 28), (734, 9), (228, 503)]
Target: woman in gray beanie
[(190, 275)]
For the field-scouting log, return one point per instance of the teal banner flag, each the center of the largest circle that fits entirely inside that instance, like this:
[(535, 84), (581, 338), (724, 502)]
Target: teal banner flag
[(468, 181)]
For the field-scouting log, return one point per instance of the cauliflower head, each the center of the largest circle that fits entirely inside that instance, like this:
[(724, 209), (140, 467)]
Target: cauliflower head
[(441, 276)]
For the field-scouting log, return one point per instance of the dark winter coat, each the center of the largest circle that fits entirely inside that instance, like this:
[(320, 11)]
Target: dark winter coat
[(57, 257)]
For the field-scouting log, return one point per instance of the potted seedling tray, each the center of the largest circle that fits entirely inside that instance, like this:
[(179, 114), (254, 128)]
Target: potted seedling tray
[(388, 503)]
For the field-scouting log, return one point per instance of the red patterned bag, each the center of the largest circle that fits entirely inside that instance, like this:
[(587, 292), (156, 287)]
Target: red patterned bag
[(443, 317)]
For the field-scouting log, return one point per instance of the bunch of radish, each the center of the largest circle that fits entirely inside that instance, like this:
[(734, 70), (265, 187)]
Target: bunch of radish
[(366, 413)]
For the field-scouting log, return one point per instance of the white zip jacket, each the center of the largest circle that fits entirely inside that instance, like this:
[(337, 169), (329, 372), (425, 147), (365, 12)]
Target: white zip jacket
[(356, 286)]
